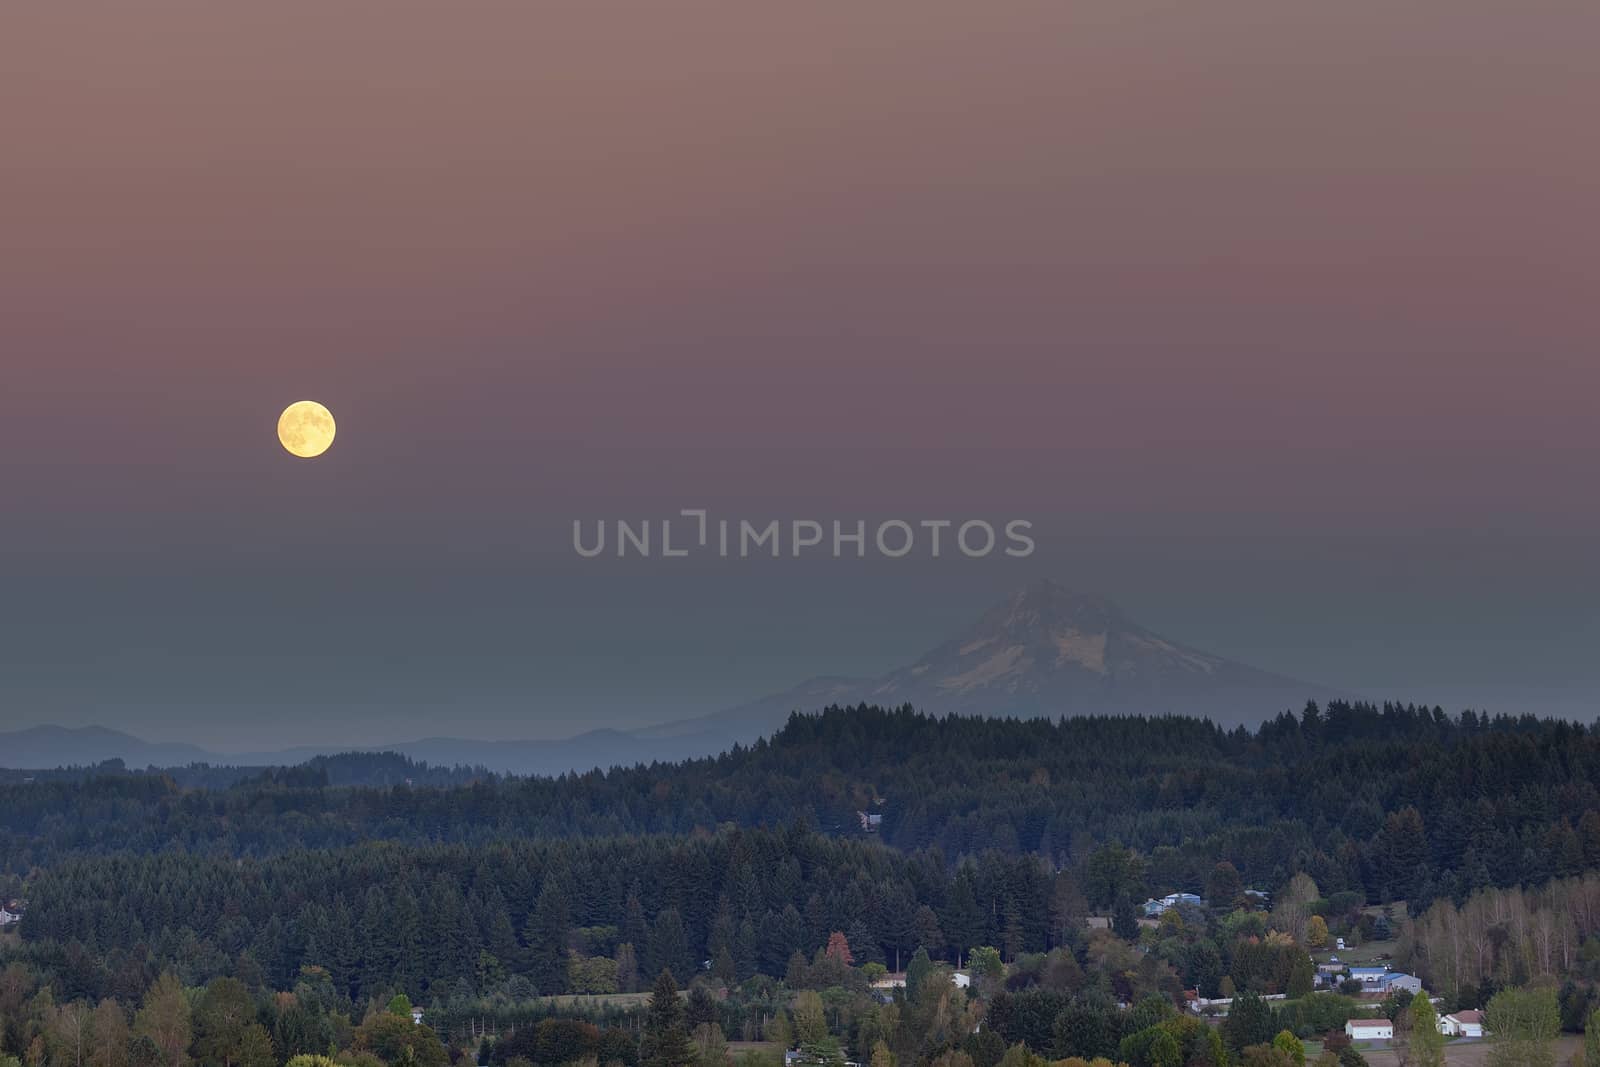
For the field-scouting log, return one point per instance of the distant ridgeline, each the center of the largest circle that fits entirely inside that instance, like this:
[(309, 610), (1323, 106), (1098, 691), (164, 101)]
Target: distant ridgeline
[(373, 769), (1393, 802)]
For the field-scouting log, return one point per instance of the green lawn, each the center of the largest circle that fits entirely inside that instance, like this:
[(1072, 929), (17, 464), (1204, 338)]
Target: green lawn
[(737, 1047), (598, 1001), (1372, 953)]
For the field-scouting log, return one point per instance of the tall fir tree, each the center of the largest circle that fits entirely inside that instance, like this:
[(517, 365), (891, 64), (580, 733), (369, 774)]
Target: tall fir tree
[(547, 940), (666, 1041)]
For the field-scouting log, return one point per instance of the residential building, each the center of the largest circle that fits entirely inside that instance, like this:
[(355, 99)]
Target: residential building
[(1371, 978), (1369, 1030), (1396, 980), (1331, 973), (1462, 1024), (1154, 908)]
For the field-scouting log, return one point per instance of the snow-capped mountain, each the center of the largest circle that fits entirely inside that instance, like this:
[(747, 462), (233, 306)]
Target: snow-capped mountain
[(1047, 651), (1043, 651)]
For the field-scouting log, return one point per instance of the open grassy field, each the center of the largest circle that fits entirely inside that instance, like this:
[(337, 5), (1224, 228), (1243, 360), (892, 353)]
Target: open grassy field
[(1371, 953), (1476, 1053), (737, 1048), (599, 1001)]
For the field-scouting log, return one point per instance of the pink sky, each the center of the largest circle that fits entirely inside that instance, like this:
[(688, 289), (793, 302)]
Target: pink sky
[(1135, 269)]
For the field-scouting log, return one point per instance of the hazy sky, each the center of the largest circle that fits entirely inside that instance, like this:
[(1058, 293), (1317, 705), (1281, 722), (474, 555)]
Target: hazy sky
[(1280, 322)]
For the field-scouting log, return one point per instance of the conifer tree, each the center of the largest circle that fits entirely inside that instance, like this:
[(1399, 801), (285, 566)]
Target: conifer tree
[(666, 1041)]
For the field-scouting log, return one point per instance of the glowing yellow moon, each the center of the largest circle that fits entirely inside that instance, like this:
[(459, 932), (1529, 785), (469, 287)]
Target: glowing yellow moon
[(306, 429)]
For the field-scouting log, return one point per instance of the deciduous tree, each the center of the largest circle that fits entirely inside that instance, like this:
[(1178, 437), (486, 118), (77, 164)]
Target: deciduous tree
[(1427, 1043), (1522, 1025), (165, 1019)]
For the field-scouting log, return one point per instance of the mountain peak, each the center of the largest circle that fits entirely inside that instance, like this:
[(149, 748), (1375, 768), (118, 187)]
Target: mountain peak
[(1046, 603), (1049, 650)]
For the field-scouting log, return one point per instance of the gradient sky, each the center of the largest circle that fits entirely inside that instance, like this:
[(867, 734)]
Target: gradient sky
[(1279, 321)]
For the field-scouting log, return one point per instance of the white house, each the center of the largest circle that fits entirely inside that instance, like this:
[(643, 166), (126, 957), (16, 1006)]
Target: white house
[(1462, 1024), (1371, 978), (961, 979), (8, 917), (1369, 1030)]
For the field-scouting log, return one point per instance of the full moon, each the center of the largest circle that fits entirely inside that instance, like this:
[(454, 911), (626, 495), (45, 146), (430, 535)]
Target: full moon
[(306, 429)]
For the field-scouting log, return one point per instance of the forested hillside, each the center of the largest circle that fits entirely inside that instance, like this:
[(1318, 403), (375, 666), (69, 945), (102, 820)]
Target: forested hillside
[(1393, 802), (475, 895)]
